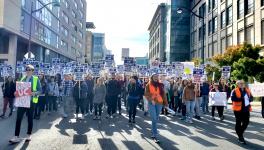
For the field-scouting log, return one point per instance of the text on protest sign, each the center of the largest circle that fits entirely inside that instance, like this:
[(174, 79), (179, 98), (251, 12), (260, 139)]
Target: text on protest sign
[(217, 99), (257, 90), (23, 90)]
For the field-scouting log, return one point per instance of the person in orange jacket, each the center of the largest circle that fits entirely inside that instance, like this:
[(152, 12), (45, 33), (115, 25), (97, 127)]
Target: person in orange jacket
[(241, 98)]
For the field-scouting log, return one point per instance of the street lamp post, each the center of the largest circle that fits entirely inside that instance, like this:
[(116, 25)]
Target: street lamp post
[(180, 11), (55, 3)]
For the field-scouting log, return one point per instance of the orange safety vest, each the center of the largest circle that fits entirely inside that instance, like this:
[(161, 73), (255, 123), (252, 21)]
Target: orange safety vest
[(237, 106), (155, 93)]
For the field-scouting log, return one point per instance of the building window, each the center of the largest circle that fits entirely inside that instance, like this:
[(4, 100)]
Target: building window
[(64, 31), (65, 17), (64, 45), (4, 44), (74, 14), (240, 5), (229, 40), (200, 34), (262, 32), (223, 19), (209, 5), (81, 2), (74, 27), (229, 15), (74, 39), (22, 21), (240, 37), (250, 35), (210, 49), (67, 4), (81, 14), (209, 27), (223, 45), (23, 3), (249, 6), (262, 2), (215, 49), (202, 11), (75, 4), (214, 4), (214, 28)]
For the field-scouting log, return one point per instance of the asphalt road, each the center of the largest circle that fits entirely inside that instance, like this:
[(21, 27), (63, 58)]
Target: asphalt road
[(54, 133)]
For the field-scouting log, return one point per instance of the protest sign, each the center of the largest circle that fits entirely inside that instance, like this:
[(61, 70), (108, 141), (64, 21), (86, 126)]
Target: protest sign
[(79, 73), (197, 75), (178, 68), (257, 89), (217, 99), (226, 70), (23, 90)]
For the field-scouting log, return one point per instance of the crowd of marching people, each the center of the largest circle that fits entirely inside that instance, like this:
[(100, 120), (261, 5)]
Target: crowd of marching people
[(155, 95)]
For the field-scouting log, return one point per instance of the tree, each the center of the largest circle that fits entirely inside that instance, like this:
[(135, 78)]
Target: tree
[(244, 60)]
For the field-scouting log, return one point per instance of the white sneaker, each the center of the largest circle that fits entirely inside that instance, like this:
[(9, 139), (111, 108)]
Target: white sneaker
[(28, 138), (190, 121), (82, 117), (15, 139)]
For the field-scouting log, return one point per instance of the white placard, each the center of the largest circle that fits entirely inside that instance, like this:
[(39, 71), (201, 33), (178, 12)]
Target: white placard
[(23, 90), (217, 99), (257, 89)]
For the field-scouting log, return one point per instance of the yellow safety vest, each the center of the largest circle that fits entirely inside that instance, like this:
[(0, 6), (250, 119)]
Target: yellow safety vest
[(34, 88)]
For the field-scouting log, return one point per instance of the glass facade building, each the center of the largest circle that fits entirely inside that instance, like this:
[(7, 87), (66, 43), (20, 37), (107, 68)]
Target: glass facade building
[(98, 46)]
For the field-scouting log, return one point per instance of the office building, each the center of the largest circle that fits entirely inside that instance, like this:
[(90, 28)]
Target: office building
[(98, 46), (227, 23), (125, 53), (89, 42), (157, 36), (56, 32), (170, 33)]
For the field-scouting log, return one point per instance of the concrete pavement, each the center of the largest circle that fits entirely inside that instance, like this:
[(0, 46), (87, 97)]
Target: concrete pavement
[(55, 133)]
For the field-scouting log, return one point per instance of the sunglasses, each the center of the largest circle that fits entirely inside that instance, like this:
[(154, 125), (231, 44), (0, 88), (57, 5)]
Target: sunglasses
[(28, 69)]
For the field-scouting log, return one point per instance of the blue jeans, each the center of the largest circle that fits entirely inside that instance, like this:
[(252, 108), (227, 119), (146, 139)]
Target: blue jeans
[(197, 106), (190, 109), (154, 111), (205, 103)]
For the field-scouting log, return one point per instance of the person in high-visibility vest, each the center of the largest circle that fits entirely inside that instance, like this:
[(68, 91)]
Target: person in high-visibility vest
[(155, 94), (241, 98), (36, 90)]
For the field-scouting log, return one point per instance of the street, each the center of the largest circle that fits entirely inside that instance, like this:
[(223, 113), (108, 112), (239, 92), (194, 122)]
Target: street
[(54, 133)]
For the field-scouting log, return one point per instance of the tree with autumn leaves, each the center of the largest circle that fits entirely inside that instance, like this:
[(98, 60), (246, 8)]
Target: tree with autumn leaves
[(245, 62)]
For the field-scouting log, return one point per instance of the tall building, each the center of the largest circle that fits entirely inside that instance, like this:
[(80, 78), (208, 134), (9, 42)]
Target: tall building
[(170, 32), (56, 32), (89, 42), (157, 36), (98, 47), (227, 22), (125, 53)]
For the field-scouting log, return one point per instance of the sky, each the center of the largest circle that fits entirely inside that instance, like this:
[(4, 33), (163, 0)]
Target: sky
[(124, 22)]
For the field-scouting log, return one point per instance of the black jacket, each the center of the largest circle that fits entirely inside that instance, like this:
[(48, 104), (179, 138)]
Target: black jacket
[(9, 89), (113, 88)]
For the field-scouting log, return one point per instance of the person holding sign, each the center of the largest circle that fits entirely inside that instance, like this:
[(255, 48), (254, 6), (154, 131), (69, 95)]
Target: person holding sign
[(241, 98), (22, 109), (155, 94), (219, 108)]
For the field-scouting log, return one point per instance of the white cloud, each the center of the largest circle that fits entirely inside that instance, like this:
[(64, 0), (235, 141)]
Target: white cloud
[(124, 22)]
